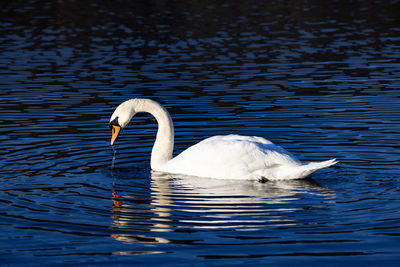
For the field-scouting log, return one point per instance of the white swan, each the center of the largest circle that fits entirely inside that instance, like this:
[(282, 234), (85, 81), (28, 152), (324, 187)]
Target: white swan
[(223, 157)]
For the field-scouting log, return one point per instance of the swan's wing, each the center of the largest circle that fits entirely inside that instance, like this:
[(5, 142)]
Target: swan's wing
[(230, 156)]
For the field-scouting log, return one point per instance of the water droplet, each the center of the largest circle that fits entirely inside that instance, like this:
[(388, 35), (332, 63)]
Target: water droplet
[(113, 159)]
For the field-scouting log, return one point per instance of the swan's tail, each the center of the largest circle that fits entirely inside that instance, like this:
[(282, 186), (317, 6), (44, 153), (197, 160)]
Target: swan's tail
[(315, 166)]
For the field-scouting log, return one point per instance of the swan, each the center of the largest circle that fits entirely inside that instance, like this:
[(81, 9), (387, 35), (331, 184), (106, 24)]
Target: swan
[(222, 157)]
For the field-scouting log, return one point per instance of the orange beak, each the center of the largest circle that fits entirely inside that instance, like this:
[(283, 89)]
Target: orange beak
[(115, 132)]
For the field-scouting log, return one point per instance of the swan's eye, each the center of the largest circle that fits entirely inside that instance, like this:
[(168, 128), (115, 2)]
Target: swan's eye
[(114, 122)]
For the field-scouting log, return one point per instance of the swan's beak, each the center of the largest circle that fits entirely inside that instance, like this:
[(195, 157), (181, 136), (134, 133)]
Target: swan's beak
[(115, 132)]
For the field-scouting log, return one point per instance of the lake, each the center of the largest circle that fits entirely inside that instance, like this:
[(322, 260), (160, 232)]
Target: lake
[(319, 78)]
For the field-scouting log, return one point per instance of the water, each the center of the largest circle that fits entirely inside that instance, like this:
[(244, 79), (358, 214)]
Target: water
[(319, 78)]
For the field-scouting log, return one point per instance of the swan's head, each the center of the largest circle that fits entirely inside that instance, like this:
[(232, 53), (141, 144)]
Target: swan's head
[(121, 117)]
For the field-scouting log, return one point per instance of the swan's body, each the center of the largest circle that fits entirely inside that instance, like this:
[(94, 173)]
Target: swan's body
[(223, 157)]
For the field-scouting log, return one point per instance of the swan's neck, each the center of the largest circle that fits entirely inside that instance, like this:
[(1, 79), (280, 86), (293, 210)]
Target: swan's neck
[(164, 144)]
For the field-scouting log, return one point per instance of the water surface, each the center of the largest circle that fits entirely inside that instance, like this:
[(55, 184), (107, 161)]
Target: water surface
[(320, 79)]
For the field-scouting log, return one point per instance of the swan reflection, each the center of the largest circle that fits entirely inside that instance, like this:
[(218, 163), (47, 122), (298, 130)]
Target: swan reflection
[(189, 204)]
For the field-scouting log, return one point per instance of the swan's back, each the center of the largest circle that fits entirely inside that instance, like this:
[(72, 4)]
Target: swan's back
[(231, 157)]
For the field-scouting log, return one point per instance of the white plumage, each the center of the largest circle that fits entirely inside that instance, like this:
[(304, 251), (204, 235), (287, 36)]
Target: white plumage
[(223, 157)]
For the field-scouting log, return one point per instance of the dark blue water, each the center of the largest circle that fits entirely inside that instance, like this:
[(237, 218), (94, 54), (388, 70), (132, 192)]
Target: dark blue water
[(320, 78)]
